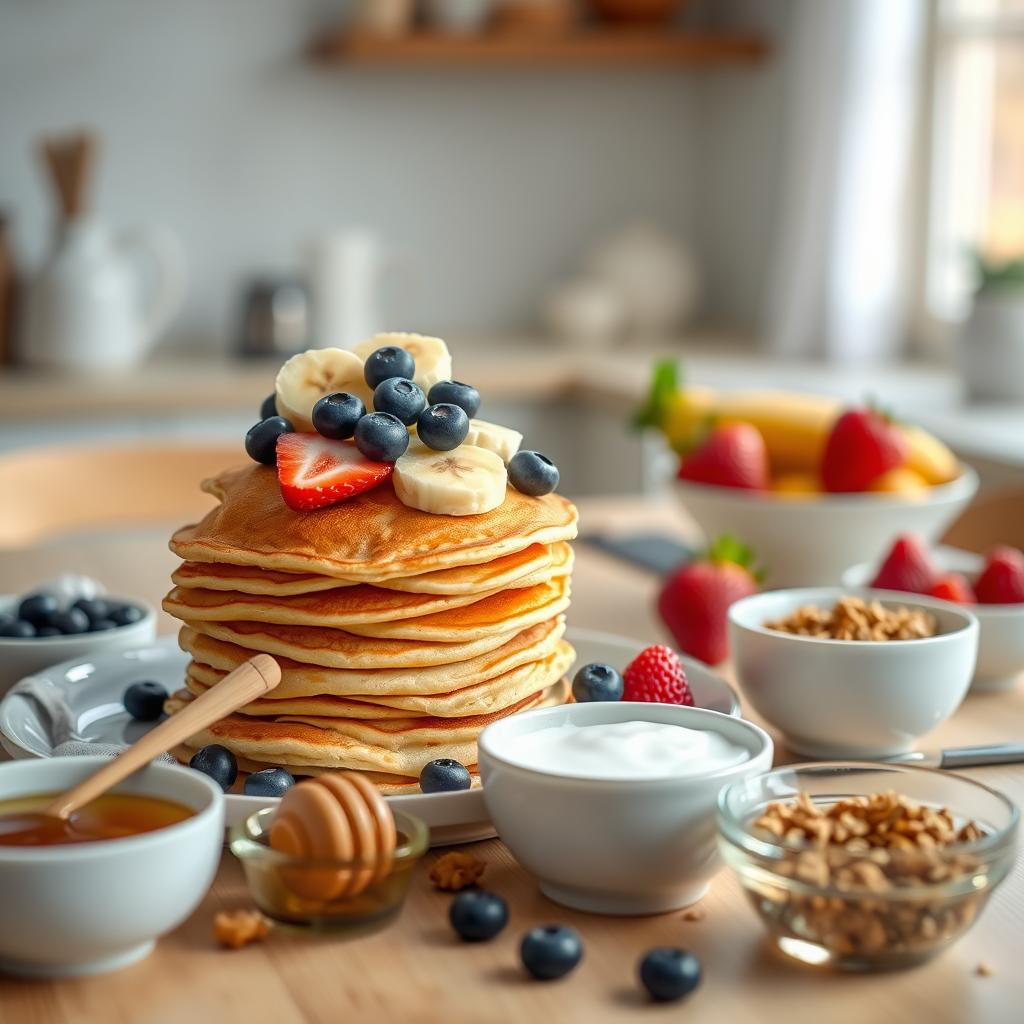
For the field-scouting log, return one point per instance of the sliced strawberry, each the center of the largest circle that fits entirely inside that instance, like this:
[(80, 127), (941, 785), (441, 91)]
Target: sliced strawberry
[(908, 566), (315, 472), (952, 586), (1002, 579), (862, 446), (732, 455)]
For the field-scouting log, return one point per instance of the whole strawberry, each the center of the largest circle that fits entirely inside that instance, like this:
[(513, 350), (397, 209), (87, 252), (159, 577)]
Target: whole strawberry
[(656, 676), (694, 602), (908, 566), (1002, 579), (862, 446), (731, 455)]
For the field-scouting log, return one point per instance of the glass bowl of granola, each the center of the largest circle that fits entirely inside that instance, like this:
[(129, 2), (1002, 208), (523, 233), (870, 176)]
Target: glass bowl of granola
[(866, 867)]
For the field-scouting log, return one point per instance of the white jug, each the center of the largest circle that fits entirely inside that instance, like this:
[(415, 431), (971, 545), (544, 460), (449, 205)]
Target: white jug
[(91, 306)]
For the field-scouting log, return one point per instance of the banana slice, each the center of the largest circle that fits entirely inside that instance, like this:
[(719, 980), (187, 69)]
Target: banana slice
[(307, 377), (463, 482), (433, 361), (503, 441)]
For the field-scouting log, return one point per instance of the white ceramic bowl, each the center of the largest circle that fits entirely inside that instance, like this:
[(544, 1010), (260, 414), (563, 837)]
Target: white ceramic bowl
[(850, 698), (22, 657), (93, 907), (1001, 637), (613, 846), (811, 541)]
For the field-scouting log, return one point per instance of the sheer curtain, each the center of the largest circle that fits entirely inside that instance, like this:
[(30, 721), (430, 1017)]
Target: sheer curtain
[(839, 280)]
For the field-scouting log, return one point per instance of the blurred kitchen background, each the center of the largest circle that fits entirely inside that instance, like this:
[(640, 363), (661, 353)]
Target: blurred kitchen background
[(819, 194)]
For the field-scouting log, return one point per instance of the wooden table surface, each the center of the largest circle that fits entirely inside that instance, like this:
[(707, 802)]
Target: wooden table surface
[(416, 970)]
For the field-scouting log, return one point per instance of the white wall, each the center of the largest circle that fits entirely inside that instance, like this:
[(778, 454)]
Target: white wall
[(213, 123)]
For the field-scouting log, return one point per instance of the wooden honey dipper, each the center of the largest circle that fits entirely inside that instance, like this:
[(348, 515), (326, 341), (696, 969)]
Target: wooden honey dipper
[(339, 817)]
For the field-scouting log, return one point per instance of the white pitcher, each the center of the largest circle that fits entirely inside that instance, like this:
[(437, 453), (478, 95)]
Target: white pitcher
[(93, 306)]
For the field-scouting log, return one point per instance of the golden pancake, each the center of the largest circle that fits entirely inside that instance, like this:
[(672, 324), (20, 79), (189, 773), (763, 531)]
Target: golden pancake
[(508, 609), (369, 538), (483, 698), (305, 680), (523, 568), (389, 785)]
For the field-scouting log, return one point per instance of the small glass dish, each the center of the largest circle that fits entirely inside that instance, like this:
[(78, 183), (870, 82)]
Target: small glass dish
[(826, 905), (267, 871)]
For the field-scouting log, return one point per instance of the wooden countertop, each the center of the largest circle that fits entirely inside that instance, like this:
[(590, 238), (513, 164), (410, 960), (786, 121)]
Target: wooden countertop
[(417, 971)]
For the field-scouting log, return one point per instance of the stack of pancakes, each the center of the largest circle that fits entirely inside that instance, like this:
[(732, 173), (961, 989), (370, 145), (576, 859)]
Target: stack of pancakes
[(400, 634)]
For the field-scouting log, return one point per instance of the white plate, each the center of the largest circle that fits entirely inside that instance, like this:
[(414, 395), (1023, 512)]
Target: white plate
[(94, 689)]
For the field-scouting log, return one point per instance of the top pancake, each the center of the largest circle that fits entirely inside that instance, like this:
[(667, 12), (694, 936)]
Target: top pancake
[(369, 538)]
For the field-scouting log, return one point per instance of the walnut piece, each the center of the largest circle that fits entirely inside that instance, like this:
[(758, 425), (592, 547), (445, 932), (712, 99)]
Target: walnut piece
[(854, 619), (456, 870), (234, 929)]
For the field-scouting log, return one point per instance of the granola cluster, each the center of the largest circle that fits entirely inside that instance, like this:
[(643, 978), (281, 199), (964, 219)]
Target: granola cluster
[(234, 929), (852, 618), (456, 870), (868, 853)]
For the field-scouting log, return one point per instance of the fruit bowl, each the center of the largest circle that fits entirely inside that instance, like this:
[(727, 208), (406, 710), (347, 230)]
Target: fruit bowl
[(812, 539), (1001, 635)]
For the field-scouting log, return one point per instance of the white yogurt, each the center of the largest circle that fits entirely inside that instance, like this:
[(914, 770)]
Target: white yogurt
[(625, 750)]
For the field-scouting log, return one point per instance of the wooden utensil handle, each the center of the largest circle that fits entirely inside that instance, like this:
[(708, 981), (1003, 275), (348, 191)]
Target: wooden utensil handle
[(247, 682)]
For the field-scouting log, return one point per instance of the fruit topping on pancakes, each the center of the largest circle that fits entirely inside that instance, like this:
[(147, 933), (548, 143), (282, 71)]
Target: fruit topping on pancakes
[(315, 472)]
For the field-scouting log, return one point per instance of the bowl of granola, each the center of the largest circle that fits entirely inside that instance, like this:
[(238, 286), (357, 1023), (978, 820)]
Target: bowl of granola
[(866, 867), (852, 673)]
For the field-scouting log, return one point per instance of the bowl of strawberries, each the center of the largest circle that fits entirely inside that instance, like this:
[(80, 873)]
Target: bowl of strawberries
[(812, 485), (991, 584)]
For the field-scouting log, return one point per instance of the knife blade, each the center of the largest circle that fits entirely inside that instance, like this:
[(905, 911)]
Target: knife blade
[(962, 757)]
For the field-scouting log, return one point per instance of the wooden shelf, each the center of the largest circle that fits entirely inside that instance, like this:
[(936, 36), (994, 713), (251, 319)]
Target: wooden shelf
[(596, 48)]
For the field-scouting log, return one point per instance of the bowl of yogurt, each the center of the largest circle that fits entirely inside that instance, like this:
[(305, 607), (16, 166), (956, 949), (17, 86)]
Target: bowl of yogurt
[(611, 805)]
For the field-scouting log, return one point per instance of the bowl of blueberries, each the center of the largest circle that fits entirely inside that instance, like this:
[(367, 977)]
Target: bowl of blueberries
[(67, 618)]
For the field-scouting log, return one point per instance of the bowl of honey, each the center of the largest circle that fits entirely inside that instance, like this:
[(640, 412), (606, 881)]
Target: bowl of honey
[(94, 894)]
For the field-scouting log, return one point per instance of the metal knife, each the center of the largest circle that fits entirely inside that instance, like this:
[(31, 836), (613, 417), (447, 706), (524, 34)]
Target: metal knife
[(962, 757)]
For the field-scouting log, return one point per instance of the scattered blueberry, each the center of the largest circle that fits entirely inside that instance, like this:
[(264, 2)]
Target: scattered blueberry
[(477, 915), (597, 682), (454, 392), (19, 629), (95, 608), (551, 951), (390, 361), (268, 782), (48, 631), (101, 625), (401, 398), (443, 427), (444, 776), (532, 473), (381, 436), (74, 620), (261, 441), (126, 614), (268, 407), (38, 609), (218, 762), (668, 973), (145, 701), (335, 416)]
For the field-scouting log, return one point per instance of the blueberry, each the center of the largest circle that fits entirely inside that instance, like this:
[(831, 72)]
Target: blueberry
[(381, 436), (390, 361), (551, 952), (73, 621), (218, 762), (443, 427), (38, 609), (597, 682), (477, 915), (401, 398), (668, 973), (444, 776), (125, 615), (268, 782), (102, 625), (454, 392), (95, 608), (268, 407), (19, 629), (335, 416), (48, 631), (261, 441), (532, 473), (145, 701)]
